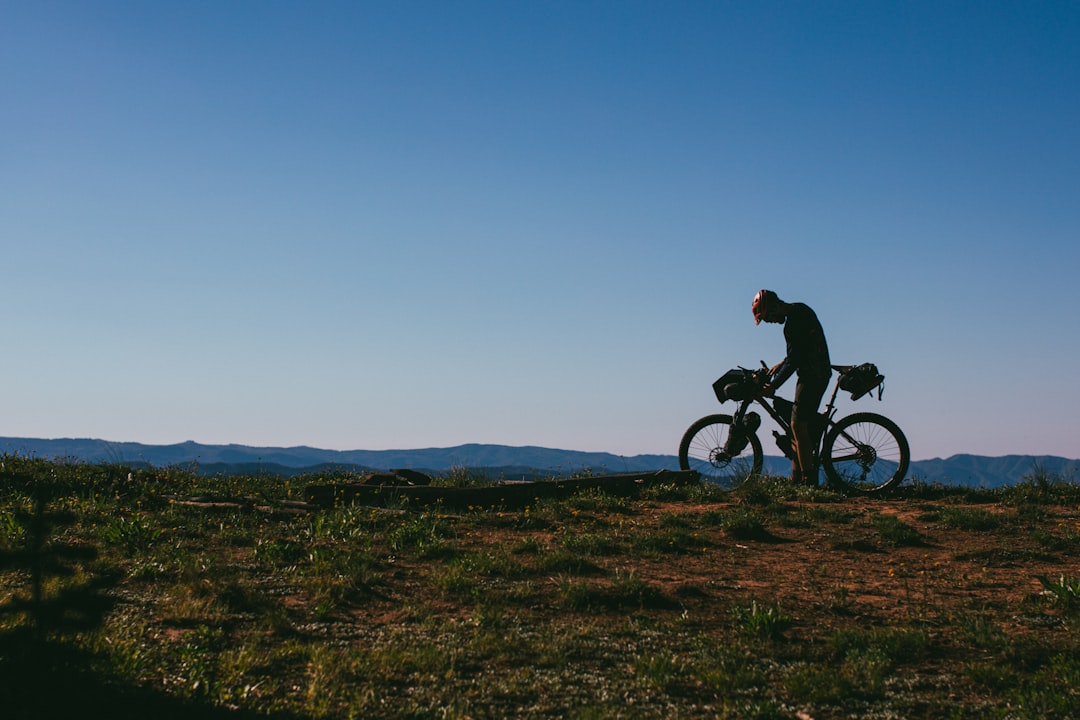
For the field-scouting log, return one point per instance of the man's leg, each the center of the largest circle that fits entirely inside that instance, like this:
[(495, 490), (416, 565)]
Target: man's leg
[(803, 414), (796, 468), (803, 444)]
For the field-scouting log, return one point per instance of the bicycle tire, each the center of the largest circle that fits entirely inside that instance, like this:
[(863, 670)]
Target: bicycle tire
[(702, 442), (865, 453)]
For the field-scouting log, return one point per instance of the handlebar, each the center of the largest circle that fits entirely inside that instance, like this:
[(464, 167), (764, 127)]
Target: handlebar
[(760, 377)]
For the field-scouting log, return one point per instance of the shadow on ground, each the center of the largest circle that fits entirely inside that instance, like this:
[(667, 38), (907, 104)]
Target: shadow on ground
[(43, 677)]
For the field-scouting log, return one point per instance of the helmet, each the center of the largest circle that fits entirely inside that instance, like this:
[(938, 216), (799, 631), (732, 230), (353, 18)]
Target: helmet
[(764, 301)]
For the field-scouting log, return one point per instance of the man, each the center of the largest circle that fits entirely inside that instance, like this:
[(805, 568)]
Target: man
[(808, 358)]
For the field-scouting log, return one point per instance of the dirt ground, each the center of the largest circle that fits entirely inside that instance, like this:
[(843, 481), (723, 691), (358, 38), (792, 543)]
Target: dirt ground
[(841, 570)]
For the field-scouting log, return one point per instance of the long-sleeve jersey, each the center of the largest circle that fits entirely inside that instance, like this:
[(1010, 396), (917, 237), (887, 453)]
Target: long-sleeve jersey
[(807, 351)]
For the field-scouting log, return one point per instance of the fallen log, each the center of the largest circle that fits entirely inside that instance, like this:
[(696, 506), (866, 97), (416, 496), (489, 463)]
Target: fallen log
[(242, 504), (502, 495)]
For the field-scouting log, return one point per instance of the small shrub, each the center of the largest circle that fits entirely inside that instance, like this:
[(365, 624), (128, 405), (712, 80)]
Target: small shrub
[(627, 590), (697, 492), (527, 546), (728, 668), (663, 671), (1046, 480), (895, 646), (338, 577), (424, 534), (761, 621), (758, 490), (676, 520), (457, 581), (816, 516), (969, 518), (461, 477), (739, 523), (132, 533), (597, 500), (992, 675), (673, 540), (1063, 592), (279, 553), (980, 630), (575, 593), (497, 563), (591, 544), (894, 530), (1062, 539), (563, 560), (1050, 692), (1041, 486), (862, 675)]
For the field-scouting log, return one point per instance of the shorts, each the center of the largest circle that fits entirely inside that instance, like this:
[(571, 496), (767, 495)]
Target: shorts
[(808, 394)]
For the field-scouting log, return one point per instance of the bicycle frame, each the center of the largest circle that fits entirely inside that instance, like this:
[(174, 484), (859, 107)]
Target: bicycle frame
[(826, 418)]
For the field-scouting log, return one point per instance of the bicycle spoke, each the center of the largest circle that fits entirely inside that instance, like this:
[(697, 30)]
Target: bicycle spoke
[(704, 450), (867, 452)]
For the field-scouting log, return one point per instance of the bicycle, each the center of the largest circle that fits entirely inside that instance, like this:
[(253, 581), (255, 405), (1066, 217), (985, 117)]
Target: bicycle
[(859, 453)]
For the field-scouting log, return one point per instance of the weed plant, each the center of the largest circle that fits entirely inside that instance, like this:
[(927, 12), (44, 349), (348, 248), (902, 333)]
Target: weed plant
[(761, 621), (1064, 592)]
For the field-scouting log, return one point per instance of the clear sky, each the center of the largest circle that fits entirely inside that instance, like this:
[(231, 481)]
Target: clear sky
[(372, 225)]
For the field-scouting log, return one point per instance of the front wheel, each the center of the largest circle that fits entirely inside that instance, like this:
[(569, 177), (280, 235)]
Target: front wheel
[(702, 450), (865, 453)]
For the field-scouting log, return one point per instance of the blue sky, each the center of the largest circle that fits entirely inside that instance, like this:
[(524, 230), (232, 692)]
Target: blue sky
[(371, 225)]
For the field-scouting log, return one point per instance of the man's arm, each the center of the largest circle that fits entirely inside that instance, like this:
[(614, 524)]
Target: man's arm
[(782, 373), (776, 380)]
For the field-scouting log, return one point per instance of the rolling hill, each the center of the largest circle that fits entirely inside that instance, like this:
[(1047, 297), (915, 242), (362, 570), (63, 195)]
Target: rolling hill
[(504, 460)]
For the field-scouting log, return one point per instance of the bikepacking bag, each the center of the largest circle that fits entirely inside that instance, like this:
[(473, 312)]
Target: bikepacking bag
[(862, 379), (735, 385)]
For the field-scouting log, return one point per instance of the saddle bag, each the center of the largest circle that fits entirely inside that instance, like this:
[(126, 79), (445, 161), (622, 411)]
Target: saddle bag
[(862, 379)]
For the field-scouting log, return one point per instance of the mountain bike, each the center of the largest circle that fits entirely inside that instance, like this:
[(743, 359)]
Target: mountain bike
[(859, 453)]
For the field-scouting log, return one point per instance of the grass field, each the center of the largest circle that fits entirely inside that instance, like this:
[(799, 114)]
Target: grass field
[(161, 593)]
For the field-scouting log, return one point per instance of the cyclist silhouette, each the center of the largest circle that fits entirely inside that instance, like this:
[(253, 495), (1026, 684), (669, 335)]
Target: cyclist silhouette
[(808, 359)]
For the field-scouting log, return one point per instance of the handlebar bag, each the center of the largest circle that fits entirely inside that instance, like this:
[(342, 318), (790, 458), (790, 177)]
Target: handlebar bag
[(862, 379), (735, 385)]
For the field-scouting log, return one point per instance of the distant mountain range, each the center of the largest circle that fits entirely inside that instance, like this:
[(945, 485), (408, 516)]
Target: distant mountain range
[(497, 460)]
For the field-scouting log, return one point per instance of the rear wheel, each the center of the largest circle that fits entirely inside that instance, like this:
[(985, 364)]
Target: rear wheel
[(865, 453), (702, 450)]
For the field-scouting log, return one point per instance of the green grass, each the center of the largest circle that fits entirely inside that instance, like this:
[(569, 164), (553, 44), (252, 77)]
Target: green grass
[(975, 519), (763, 622), (895, 531), (690, 601)]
